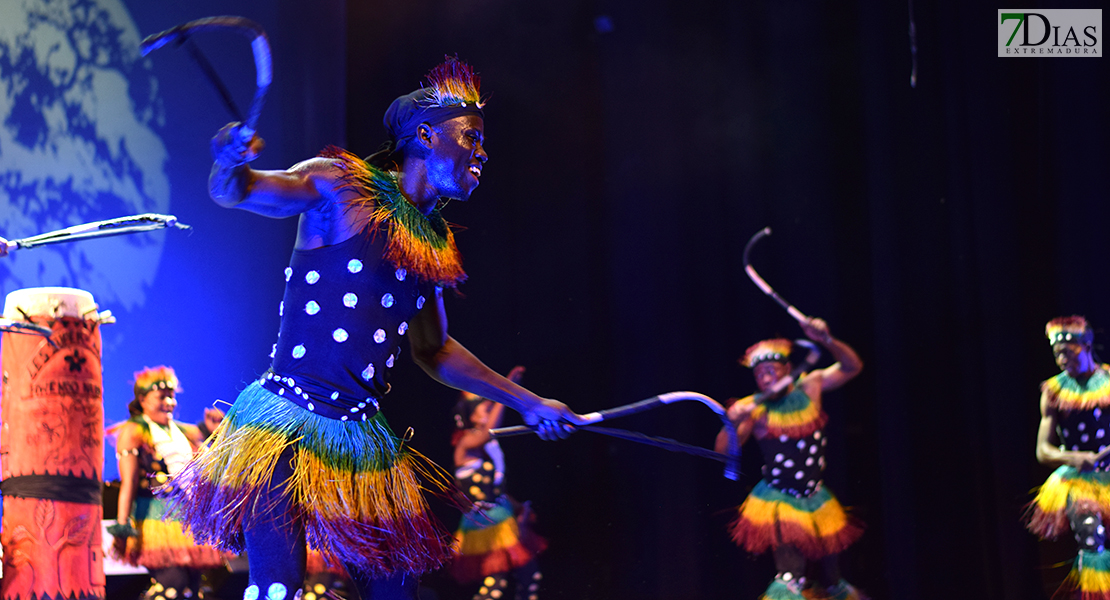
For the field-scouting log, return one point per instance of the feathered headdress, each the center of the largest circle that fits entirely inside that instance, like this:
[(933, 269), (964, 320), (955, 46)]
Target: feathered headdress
[(452, 90), (777, 349), (155, 378), (452, 83), (1071, 330)]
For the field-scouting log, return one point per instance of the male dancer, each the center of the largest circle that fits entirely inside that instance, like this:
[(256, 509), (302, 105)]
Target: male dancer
[(1075, 421), (304, 452), (790, 511)]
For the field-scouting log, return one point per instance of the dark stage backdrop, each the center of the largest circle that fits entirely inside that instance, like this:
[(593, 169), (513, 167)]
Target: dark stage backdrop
[(635, 146)]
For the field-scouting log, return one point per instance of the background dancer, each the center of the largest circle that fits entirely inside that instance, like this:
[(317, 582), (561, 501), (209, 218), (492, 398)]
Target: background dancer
[(495, 538), (304, 453), (790, 511), (1075, 418), (151, 447)]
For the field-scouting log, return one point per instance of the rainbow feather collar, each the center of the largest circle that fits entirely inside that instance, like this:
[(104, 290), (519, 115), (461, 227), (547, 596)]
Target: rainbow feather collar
[(1065, 393), (420, 244), (794, 415)]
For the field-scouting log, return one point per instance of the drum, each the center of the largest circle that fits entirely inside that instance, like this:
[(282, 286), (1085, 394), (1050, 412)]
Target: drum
[(51, 445)]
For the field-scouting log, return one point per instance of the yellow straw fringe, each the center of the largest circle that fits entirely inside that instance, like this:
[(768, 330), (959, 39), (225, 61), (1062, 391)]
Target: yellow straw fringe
[(822, 522), (1094, 581), (505, 534), (385, 495), (157, 535), (254, 460), (1054, 494)]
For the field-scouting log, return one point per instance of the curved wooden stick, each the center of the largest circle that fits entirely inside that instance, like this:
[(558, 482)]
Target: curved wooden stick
[(763, 285), (731, 458), (260, 46)]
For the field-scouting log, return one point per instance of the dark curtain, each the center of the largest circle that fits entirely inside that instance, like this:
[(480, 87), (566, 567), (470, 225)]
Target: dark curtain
[(635, 147)]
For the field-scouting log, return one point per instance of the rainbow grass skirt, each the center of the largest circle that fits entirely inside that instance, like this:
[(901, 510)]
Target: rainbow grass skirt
[(489, 541), (1089, 491), (163, 542), (1089, 578), (816, 525), (356, 487)]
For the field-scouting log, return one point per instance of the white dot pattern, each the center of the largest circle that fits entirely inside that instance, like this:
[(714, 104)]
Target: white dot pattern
[(251, 593), (276, 591), (1085, 431), (795, 465), (381, 300)]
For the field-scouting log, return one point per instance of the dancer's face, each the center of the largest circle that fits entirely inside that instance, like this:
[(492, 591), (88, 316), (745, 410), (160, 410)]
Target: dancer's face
[(480, 416), (768, 372), (1070, 356), (159, 404), (457, 156)]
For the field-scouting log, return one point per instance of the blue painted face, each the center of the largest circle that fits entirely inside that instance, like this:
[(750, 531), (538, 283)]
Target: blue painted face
[(457, 157), (1070, 356)]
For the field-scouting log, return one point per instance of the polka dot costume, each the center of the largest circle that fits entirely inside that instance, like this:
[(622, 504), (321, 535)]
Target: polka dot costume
[(1082, 424), (357, 488), (345, 315), (794, 465), (489, 540), (791, 506)]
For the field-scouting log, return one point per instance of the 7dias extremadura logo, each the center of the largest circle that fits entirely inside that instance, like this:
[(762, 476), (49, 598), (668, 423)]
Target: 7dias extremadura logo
[(1050, 32)]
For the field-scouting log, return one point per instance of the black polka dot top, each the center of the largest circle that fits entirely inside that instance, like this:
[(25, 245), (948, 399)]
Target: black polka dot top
[(343, 318)]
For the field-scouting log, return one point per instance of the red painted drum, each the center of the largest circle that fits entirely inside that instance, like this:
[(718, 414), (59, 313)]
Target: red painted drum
[(52, 447)]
